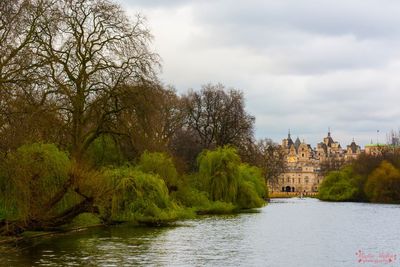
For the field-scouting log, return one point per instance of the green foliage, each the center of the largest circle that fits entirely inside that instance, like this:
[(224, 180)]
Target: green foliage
[(254, 175), (32, 177), (140, 197), (83, 220), (227, 180), (33, 174), (217, 207), (219, 172), (190, 197), (339, 186), (374, 178), (383, 185), (159, 164), (252, 187), (248, 197), (104, 151)]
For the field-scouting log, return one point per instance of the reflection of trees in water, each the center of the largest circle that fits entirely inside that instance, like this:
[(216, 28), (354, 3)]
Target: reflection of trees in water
[(119, 245)]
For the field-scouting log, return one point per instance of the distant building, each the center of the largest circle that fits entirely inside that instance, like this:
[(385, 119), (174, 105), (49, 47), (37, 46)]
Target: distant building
[(303, 173), (353, 150), (376, 149)]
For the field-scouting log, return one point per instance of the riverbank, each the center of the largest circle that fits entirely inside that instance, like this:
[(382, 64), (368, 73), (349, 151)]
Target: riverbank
[(292, 194)]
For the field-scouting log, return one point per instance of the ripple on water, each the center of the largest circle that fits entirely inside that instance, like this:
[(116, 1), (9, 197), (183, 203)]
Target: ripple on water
[(287, 232)]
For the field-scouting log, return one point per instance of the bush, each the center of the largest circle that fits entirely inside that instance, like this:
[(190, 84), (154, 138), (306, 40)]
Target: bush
[(340, 186), (383, 185), (33, 175)]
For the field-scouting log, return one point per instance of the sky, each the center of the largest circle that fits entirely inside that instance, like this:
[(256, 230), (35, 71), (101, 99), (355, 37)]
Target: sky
[(303, 65)]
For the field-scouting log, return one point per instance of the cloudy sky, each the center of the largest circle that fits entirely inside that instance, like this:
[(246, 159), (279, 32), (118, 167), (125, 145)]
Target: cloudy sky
[(302, 64)]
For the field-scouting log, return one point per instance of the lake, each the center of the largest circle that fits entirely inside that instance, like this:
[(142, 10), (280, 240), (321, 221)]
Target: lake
[(286, 232)]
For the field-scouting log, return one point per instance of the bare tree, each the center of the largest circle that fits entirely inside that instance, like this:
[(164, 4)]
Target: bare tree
[(219, 117), (24, 116), (271, 159), (92, 49), (152, 117), (18, 27), (332, 163)]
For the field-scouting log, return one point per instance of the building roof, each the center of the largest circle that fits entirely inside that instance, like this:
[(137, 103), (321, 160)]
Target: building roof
[(297, 143), (353, 146), (374, 145)]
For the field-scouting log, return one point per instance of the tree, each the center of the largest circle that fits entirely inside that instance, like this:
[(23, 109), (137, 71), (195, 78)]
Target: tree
[(92, 50), (19, 20), (340, 186), (185, 145), (383, 185), (218, 117), (226, 179), (41, 188), (332, 164), (152, 116), (24, 116), (271, 159)]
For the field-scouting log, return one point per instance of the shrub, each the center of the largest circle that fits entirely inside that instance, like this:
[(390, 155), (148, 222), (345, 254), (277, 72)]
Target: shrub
[(383, 185)]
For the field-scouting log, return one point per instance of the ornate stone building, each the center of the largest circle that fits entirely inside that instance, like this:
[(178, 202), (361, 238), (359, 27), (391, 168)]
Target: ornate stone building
[(303, 172)]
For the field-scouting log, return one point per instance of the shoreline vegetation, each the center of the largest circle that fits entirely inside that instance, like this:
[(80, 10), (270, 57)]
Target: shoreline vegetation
[(369, 178), (89, 135), (151, 192)]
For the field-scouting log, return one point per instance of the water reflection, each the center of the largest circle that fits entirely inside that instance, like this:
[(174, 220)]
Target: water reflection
[(287, 232)]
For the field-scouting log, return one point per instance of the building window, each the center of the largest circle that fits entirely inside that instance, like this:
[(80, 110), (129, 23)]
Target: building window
[(299, 180)]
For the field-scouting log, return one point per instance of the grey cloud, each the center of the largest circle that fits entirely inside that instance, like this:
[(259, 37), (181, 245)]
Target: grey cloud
[(302, 64), (362, 18), (154, 3)]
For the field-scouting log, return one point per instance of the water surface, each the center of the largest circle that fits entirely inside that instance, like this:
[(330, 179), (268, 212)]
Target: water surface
[(287, 232)]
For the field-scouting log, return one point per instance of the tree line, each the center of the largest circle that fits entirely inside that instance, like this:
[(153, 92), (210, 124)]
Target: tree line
[(82, 113), (369, 178)]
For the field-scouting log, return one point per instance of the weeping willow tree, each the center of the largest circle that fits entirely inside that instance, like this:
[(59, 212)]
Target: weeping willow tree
[(33, 175), (252, 188), (226, 179), (104, 151), (220, 173), (160, 164), (41, 188), (140, 197)]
